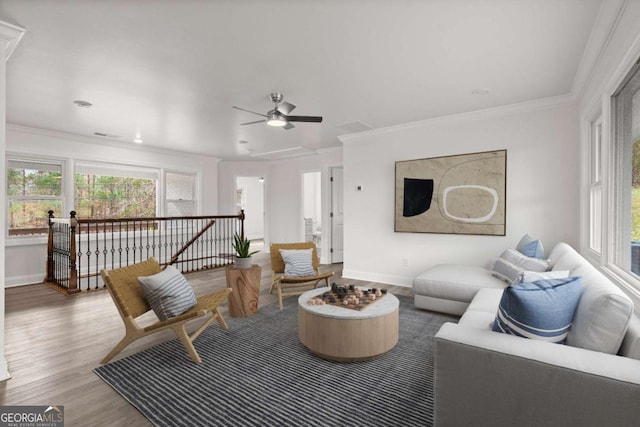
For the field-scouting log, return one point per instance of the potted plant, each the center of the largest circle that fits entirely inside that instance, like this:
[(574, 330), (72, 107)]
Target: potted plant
[(243, 256)]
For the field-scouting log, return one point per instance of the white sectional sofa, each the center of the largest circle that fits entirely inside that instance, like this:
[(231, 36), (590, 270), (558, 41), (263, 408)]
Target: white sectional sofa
[(486, 378)]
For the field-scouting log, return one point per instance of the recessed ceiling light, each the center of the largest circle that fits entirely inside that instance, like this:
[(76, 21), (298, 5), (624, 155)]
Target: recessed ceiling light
[(138, 138), (82, 104), (481, 91)]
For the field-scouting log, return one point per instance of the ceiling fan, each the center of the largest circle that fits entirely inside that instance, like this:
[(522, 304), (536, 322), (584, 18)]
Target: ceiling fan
[(279, 116)]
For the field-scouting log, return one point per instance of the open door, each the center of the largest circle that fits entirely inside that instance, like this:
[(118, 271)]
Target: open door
[(337, 216)]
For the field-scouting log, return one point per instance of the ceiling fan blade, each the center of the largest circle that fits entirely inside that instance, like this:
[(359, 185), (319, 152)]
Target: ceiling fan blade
[(285, 107), (252, 123), (288, 126), (248, 111), (307, 119)]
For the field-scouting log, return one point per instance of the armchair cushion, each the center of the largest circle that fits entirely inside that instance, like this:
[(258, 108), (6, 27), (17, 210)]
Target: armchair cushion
[(169, 293), (297, 262)]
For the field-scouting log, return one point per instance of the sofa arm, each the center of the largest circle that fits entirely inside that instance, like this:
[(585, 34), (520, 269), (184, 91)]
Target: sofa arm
[(484, 378)]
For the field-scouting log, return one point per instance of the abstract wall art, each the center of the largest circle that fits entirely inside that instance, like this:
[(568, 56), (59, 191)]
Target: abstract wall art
[(460, 194)]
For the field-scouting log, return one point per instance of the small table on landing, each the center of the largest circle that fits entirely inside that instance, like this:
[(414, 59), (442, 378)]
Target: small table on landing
[(346, 335)]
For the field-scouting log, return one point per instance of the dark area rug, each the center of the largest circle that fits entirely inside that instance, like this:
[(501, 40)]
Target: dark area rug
[(257, 373)]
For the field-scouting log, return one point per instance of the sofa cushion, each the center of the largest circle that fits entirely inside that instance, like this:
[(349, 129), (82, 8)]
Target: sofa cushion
[(481, 313), (631, 343), (541, 310), (455, 282), (511, 264), (603, 313)]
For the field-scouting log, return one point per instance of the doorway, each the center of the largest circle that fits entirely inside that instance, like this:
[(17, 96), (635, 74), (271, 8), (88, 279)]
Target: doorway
[(337, 215), (250, 198), (312, 208)]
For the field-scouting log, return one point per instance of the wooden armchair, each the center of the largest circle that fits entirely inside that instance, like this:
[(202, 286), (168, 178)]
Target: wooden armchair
[(281, 282), (131, 303)]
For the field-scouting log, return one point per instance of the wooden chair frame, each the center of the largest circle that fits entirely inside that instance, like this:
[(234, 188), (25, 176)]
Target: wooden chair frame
[(281, 282), (131, 303)]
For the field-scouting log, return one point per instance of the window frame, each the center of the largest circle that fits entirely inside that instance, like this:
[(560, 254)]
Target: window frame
[(194, 190), (68, 171), (42, 160), (119, 170)]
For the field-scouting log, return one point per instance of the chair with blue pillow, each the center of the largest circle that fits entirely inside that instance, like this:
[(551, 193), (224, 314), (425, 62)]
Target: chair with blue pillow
[(128, 294), (295, 266)]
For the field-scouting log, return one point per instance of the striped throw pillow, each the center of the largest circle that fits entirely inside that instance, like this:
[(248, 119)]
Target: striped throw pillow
[(169, 293), (297, 262), (540, 310), (511, 264)]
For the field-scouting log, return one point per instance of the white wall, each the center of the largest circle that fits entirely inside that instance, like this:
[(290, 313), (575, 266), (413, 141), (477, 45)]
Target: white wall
[(541, 140), (26, 258), (283, 191)]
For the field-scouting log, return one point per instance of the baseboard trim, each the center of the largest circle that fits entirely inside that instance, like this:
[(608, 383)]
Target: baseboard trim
[(4, 370), (387, 279), (27, 279)]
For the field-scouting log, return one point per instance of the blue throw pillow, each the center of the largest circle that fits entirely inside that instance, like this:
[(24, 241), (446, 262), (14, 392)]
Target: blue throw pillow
[(541, 310), (530, 247)]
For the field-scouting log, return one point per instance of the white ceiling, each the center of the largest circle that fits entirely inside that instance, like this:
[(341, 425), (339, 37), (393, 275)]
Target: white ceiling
[(171, 70)]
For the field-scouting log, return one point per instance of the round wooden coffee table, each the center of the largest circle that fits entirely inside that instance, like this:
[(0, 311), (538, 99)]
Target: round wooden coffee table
[(347, 335)]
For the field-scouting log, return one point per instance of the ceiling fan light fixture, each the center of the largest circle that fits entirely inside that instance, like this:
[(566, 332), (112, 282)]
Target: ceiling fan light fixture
[(275, 119)]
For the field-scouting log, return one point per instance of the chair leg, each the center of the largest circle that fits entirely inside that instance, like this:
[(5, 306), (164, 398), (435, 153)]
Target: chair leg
[(181, 332), (128, 339), (221, 320), (280, 295)]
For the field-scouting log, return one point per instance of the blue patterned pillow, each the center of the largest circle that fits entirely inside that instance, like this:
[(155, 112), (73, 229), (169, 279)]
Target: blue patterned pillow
[(530, 247), (541, 310), (297, 262), (169, 293)]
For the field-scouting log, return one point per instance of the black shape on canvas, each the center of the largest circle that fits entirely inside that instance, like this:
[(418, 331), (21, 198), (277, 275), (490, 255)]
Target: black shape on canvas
[(417, 196)]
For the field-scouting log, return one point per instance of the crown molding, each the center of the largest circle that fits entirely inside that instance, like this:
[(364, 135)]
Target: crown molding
[(104, 141), (538, 104), (11, 35), (607, 19)]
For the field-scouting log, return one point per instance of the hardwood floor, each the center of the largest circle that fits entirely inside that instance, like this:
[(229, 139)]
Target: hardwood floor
[(53, 342)]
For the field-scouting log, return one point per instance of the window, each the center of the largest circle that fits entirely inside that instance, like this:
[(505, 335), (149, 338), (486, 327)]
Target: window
[(115, 191), (180, 194), (595, 187), (626, 119), (33, 188)]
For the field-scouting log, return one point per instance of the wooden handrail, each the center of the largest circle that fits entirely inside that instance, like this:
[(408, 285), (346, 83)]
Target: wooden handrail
[(77, 249)]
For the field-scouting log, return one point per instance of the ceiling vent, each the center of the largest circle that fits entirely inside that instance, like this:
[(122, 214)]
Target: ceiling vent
[(353, 127), (107, 135)]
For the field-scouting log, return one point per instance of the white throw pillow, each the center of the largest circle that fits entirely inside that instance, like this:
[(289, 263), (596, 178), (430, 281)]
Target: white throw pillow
[(169, 293), (297, 262), (532, 276), (511, 264)]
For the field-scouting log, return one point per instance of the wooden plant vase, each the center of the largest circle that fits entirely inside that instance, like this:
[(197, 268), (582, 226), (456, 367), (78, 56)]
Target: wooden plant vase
[(243, 301)]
